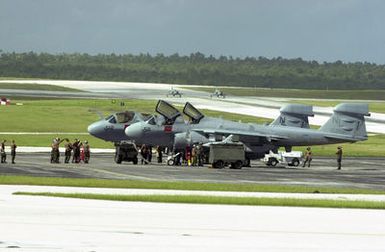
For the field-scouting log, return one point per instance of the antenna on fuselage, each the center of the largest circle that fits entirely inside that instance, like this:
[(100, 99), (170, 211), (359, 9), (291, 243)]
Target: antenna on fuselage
[(98, 112)]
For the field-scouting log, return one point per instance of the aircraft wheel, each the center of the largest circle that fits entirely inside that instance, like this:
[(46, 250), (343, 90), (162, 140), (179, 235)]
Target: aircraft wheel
[(170, 162), (273, 162), (238, 164), (219, 164), (247, 163), (135, 161), (118, 159), (295, 162)]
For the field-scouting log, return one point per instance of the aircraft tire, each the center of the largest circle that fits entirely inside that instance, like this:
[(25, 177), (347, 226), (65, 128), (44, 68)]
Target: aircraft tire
[(238, 164), (219, 164), (170, 162), (273, 162), (295, 162), (135, 160), (118, 159)]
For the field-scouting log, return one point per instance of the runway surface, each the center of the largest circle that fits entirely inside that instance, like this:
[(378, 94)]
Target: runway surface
[(356, 172), (45, 224)]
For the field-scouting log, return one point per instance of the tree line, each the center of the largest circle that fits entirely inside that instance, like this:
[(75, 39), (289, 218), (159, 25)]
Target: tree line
[(196, 68)]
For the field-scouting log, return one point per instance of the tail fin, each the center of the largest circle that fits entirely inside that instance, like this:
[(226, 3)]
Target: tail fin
[(294, 115), (347, 122)]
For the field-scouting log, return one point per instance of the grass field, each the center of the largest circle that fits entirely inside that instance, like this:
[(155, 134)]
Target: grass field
[(42, 87), (299, 93), (179, 185), (195, 199), (373, 147)]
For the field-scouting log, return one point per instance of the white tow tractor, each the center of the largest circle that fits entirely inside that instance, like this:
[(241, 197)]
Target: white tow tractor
[(293, 158)]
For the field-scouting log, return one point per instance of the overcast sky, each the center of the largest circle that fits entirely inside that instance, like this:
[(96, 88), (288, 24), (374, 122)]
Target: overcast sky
[(322, 30)]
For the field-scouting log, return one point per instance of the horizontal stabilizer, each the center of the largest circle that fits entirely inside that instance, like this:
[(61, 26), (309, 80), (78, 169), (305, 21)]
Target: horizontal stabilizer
[(294, 115), (353, 108)]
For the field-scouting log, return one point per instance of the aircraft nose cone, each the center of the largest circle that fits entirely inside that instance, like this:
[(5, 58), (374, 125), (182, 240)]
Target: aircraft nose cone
[(134, 131), (95, 129)]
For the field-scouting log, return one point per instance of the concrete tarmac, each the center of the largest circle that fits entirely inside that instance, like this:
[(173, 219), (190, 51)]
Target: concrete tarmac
[(45, 224), (356, 172)]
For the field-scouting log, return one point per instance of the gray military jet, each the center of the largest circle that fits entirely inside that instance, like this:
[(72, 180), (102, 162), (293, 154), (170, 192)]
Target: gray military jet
[(111, 128), (173, 92), (347, 124), (218, 93)]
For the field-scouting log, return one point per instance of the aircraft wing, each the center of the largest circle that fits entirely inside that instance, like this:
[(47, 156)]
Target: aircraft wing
[(269, 137), (346, 138)]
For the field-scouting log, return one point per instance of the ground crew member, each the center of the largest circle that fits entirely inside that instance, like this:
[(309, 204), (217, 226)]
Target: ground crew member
[(2, 151), (144, 154), (339, 157), (52, 151), (68, 149), (76, 151), (199, 154), (188, 155), (55, 153), (194, 155), (87, 152), (13, 151), (159, 154), (149, 154), (308, 157)]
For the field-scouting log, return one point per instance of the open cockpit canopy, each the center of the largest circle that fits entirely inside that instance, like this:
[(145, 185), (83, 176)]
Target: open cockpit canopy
[(169, 112), (192, 113)]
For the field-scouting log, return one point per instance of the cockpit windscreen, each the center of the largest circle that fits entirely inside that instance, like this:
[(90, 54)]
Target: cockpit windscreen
[(124, 117)]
